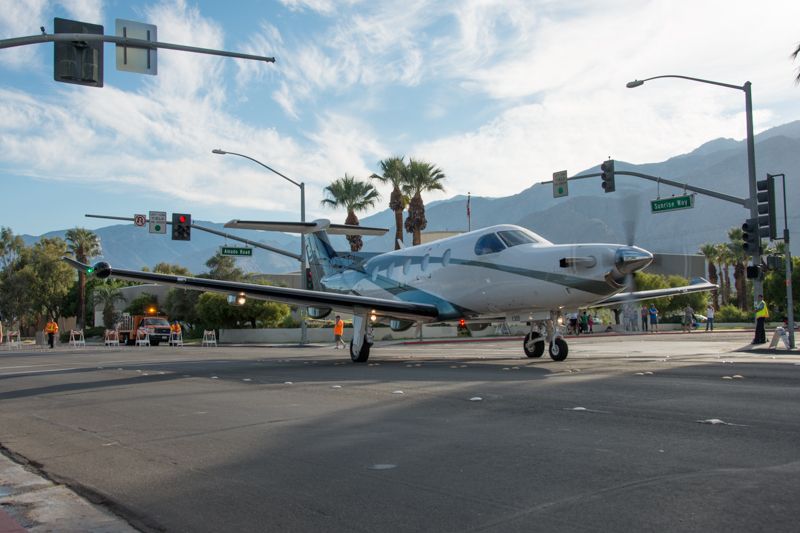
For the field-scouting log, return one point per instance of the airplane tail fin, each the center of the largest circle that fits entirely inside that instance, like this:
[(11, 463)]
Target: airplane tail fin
[(322, 258)]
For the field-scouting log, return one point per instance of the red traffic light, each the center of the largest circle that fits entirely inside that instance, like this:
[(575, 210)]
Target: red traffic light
[(182, 219)]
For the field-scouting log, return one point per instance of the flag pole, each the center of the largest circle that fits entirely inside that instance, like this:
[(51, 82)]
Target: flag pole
[(469, 221)]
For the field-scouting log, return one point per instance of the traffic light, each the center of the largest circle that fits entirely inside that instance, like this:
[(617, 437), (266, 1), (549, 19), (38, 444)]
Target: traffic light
[(608, 175), (79, 62), (181, 227), (765, 198), (751, 241), (309, 280)]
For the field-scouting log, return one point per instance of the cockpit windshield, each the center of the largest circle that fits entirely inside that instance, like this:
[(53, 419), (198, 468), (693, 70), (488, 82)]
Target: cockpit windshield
[(515, 237)]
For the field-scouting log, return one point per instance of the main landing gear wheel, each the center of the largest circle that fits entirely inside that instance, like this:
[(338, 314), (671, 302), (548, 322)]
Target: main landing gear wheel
[(531, 347), (558, 350), (362, 355)]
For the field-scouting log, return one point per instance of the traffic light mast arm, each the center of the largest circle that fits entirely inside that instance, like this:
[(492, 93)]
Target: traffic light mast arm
[(699, 190), (124, 41), (294, 256)]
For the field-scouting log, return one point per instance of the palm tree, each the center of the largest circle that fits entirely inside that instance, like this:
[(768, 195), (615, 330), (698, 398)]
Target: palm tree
[(739, 271), (794, 56), (394, 172), (420, 177), (724, 257), (107, 295), (84, 244), (710, 251), (353, 195)]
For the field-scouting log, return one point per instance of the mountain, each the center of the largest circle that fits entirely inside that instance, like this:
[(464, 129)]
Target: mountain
[(590, 215), (586, 215)]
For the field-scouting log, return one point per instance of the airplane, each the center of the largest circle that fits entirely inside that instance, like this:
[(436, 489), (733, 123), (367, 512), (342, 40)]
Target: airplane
[(502, 272)]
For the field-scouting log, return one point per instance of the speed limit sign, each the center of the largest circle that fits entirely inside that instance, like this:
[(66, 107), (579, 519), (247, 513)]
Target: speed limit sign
[(139, 220)]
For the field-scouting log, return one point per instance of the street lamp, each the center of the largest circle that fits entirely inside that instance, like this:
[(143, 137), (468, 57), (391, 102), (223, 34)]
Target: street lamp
[(751, 152), (303, 259)]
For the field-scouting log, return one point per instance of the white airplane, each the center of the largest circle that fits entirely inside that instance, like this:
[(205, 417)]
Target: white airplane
[(495, 273)]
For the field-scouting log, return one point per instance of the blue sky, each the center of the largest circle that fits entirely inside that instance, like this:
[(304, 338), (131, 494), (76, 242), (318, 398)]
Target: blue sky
[(499, 94)]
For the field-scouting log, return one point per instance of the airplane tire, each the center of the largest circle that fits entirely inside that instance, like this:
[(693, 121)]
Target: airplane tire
[(538, 348), (558, 350), (362, 355)]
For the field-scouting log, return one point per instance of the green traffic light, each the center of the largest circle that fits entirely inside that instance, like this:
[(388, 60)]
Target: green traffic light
[(89, 270)]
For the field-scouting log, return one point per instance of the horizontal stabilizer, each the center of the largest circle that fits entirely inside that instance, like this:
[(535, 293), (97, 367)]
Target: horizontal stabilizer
[(306, 227)]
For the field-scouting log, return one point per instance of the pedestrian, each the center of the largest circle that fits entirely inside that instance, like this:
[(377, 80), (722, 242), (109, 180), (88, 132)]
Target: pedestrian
[(710, 317), (688, 318), (591, 324), (584, 322), (644, 317), (175, 333), (573, 323), (338, 331), (653, 318), (51, 328), (762, 314)]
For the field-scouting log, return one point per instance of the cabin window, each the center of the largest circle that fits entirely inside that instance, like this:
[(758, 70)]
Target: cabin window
[(446, 257), (515, 237), (406, 266), (426, 260), (375, 273), (489, 244)]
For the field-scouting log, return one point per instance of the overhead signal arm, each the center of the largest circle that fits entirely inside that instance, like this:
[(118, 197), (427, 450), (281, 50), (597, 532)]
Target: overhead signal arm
[(215, 232), (123, 41)]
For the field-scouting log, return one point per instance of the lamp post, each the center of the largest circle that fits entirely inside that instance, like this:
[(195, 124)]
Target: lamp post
[(303, 259), (751, 154)]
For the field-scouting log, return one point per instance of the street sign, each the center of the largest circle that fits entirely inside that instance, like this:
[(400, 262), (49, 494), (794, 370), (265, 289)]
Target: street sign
[(139, 220), (158, 222), (131, 58), (236, 251), (560, 187), (672, 204)]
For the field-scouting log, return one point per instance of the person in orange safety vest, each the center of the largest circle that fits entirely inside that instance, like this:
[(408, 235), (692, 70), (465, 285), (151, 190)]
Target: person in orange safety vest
[(338, 331), (51, 328)]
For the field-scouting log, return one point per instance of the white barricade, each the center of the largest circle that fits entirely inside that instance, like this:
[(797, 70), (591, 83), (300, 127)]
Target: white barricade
[(782, 335), (76, 338), (209, 337), (111, 337), (176, 338), (142, 338), (14, 340)]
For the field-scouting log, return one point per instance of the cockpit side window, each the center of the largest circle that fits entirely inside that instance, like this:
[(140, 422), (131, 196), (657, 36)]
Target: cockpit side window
[(515, 237), (489, 244)]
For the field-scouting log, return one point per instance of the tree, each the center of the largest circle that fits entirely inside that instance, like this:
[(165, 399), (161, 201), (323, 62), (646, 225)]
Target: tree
[(51, 277), (354, 196), (420, 177), (107, 294), (394, 173), (710, 252), (775, 289), (171, 268), (725, 258), (180, 305), (10, 246), (794, 56), (224, 267), (83, 244), (142, 303), (739, 272)]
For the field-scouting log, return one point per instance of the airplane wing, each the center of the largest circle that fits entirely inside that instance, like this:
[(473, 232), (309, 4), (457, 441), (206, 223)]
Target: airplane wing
[(698, 285), (347, 303)]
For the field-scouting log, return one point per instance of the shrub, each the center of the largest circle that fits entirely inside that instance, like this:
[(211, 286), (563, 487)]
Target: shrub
[(731, 313)]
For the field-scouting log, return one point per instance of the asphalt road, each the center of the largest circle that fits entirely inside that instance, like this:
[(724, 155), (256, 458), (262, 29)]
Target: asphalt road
[(646, 433)]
